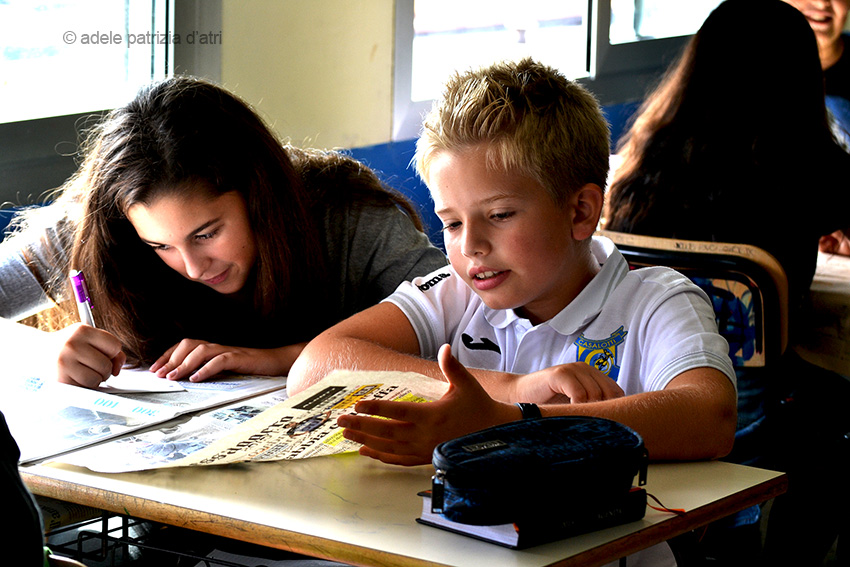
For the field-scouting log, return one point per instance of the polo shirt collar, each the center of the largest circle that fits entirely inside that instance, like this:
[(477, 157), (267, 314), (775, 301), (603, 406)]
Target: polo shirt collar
[(588, 304)]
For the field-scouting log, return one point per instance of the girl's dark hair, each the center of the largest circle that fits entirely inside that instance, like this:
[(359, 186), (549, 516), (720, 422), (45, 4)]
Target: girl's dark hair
[(334, 176), (745, 98), (177, 135)]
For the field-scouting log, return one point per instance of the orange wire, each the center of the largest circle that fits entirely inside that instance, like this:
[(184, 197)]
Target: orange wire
[(663, 508)]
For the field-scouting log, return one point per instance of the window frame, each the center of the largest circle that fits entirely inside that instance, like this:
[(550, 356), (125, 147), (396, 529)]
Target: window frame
[(616, 73), (407, 113), (607, 59)]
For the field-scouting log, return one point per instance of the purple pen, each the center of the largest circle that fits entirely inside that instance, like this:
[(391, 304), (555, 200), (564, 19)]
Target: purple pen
[(81, 292)]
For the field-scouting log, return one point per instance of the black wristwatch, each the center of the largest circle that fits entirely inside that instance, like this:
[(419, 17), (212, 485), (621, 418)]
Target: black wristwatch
[(529, 411)]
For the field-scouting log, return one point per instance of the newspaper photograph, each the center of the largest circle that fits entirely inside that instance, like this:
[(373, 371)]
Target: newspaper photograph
[(169, 442), (47, 418), (264, 428)]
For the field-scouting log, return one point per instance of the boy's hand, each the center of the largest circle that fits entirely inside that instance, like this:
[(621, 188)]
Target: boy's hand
[(575, 382), (412, 430), (86, 356), (199, 360)]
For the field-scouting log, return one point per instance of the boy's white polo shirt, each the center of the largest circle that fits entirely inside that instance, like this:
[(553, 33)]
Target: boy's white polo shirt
[(641, 327)]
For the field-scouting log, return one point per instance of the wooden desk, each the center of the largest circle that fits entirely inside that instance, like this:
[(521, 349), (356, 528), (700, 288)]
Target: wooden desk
[(825, 339), (356, 510)]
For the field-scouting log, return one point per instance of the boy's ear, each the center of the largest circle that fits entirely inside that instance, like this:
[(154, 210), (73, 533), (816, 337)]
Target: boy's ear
[(587, 208)]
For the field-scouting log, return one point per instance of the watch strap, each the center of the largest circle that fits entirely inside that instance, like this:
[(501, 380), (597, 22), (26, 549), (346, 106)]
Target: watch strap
[(529, 411)]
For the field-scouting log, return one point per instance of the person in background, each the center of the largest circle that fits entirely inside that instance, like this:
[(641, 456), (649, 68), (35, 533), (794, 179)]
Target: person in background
[(533, 309), (731, 152), (827, 19), (206, 243), (718, 141)]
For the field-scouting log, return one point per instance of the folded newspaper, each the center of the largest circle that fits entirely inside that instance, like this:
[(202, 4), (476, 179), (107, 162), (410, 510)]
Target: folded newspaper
[(47, 418), (265, 428)]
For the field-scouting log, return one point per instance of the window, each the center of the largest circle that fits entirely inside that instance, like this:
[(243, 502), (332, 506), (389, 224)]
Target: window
[(72, 56), (450, 35), (640, 20), (616, 47), (61, 61), (436, 37)]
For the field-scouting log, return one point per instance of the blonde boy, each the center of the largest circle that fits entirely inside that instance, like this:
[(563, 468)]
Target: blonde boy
[(537, 309)]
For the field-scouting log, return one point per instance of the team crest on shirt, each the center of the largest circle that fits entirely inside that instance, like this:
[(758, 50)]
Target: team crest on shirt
[(601, 354)]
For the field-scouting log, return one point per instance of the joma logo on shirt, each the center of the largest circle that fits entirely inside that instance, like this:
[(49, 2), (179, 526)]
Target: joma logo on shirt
[(433, 281), (601, 354), (483, 344)]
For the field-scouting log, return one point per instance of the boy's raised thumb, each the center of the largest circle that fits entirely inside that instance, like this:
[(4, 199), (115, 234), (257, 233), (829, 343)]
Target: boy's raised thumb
[(454, 371)]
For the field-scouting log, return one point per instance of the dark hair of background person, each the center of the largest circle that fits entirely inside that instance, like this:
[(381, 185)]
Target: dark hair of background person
[(735, 145)]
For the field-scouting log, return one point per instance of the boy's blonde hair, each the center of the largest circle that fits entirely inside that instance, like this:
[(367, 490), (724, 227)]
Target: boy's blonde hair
[(529, 118)]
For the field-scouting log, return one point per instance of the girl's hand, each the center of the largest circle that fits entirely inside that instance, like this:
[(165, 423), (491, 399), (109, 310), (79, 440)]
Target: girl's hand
[(574, 382), (411, 430), (199, 360), (86, 356)]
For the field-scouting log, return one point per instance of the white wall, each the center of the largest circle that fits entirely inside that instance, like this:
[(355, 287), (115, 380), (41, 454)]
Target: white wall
[(319, 71)]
